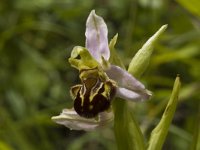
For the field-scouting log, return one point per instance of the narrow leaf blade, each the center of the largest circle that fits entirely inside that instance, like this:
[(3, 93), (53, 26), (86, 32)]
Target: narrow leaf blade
[(140, 61), (159, 133)]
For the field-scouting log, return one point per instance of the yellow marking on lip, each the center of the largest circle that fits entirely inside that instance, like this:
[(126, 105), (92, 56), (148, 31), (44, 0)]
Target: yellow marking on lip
[(82, 100), (91, 107), (74, 90), (95, 91), (82, 93)]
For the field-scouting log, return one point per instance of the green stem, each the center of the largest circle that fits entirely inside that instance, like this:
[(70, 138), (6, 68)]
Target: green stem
[(127, 132)]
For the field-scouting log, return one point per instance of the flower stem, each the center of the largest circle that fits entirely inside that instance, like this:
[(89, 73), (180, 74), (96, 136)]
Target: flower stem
[(127, 132)]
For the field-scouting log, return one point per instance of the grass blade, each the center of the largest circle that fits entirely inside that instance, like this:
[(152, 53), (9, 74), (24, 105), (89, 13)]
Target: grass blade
[(159, 133)]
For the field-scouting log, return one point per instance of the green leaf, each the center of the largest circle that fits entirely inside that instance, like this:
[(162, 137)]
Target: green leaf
[(192, 6), (159, 133), (140, 61), (4, 146), (196, 135)]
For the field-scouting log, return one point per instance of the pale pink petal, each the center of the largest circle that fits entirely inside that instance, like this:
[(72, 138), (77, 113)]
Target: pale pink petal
[(131, 95), (127, 82), (70, 119), (96, 37)]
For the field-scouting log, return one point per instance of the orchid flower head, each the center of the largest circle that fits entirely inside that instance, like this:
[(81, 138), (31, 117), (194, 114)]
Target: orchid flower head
[(100, 81)]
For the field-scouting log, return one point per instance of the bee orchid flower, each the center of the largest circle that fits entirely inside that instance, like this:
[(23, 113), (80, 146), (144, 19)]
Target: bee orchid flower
[(100, 81)]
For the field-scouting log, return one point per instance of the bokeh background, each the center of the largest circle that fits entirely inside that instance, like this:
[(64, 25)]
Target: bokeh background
[(36, 38)]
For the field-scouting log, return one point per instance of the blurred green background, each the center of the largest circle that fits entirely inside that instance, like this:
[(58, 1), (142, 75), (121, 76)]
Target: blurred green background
[(36, 38)]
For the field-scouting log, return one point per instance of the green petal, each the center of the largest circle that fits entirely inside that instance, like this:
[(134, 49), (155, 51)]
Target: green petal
[(114, 57), (81, 59)]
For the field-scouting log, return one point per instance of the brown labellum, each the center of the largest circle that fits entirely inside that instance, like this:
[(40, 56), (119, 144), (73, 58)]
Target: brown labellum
[(94, 95)]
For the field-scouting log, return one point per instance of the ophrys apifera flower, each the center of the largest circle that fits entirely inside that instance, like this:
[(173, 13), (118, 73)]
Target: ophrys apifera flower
[(100, 81)]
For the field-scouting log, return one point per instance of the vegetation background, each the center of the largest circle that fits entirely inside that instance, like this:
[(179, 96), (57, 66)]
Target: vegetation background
[(36, 38)]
